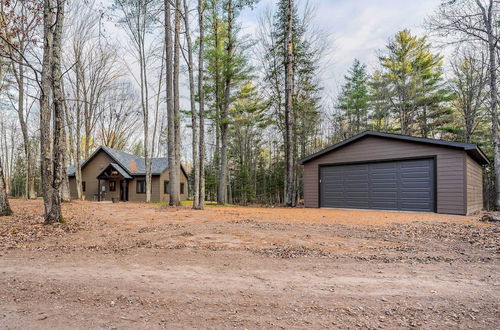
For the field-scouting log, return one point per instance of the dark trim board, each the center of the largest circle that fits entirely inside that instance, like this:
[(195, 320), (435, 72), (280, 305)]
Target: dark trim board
[(385, 160), (430, 157)]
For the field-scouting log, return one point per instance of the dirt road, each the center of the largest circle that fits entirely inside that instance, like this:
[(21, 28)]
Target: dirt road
[(141, 266)]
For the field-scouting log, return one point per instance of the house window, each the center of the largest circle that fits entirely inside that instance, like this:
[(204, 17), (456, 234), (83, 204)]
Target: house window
[(112, 185), (83, 185), (140, 186), (182, 188), (165, 187)]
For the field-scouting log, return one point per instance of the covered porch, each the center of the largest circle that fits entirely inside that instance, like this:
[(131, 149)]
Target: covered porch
[(113, 184)]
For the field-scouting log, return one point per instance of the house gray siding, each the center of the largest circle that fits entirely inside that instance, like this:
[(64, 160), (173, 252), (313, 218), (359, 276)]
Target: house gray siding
[(100, 161)]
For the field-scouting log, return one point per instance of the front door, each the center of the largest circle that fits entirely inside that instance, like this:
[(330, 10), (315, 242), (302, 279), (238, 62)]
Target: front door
[(123, 190)]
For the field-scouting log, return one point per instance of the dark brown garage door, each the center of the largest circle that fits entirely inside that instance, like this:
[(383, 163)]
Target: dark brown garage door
[(398, 185)]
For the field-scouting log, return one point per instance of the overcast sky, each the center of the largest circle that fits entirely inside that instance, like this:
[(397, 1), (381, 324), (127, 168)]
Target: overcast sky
[(356, 28), (353, 29)]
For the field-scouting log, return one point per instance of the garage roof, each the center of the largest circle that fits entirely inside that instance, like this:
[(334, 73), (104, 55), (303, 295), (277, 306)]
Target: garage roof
[(473, 150)]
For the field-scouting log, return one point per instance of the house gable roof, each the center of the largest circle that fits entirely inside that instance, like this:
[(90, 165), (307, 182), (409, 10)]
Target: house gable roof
[(473, 150), (133, 165), (118, 168)]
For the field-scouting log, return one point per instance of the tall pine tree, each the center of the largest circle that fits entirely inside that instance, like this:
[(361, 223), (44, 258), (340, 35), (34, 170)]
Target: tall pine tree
[(414, 79), (305, 109), (353, 99), (227, 69)]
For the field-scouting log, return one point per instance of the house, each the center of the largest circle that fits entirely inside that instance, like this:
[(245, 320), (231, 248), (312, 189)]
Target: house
[(121, 176), (374, 170)]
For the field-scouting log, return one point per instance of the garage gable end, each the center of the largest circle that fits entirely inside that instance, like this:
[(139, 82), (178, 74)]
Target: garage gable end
[(448, 165), (473, 150)]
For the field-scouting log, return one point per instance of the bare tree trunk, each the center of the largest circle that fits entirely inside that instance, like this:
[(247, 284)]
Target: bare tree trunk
[(4, 202), (169, 47), (223, 172), (86, 150), (488, 16), (154, 141), (65, 192), (78, 168), (59, 148), (145, 100), (71, 149), (45, 110), (201, 96), (194, 117), (30, 178), (18, 70), (174, 123), (145, 112), (289, 113)]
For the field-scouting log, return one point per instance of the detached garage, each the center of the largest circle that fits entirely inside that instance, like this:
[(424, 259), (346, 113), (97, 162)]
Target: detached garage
[(383, 171)]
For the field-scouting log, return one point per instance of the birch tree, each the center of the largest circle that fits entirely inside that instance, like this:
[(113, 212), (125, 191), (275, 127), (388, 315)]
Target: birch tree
[(192, 103), (469, 84), (290, 157), (476, 22), (52, 146), (92, 66), (137, 19), (303, 122), (174, 125), (118, 120), (21, 19), (4, 202), (171, 95), (199, 204)]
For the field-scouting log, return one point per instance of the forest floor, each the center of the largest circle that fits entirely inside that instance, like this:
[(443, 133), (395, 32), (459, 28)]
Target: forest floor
[(137, 266)]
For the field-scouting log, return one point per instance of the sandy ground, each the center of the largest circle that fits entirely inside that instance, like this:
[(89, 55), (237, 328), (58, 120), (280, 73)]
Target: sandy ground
[(131, 266)]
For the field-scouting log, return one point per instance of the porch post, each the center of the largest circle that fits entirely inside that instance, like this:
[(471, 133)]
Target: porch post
[(98, 190)]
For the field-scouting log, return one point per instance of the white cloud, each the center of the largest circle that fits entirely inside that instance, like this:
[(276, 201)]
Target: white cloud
[(357, 28)]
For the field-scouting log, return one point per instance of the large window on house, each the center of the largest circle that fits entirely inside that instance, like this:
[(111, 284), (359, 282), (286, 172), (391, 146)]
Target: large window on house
[(140, 186), (83, 185), (182, 188), (165, 187), (112, 185)]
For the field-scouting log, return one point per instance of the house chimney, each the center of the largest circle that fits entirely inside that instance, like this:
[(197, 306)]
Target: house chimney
[(133, 166)]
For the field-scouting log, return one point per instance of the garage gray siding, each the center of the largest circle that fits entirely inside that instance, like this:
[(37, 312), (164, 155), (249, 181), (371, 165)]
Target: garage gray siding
[(474, 186), (450, 167)]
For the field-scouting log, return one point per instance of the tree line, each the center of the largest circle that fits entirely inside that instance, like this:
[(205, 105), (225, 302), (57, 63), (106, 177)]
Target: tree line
[(181, 79)]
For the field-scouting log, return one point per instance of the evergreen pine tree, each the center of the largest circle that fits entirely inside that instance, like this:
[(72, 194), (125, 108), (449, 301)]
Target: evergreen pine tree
[(353, 100), (414, 78)]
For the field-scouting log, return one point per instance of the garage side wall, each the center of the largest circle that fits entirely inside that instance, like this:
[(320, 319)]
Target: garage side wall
[(474, 186), (450, 168)]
